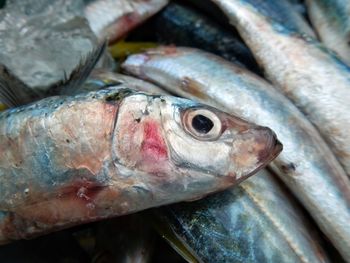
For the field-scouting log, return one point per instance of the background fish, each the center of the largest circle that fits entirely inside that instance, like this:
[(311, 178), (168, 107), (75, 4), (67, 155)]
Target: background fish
[(182, 25), (256, 221), (331, 20), (306, 164), (306, 72)]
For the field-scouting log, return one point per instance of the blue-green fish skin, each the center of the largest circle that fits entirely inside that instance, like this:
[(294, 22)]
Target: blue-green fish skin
[(257, 221), (331, 20)]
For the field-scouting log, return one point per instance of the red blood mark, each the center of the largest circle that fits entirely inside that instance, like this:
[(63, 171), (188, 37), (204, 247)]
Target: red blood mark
[(153, 146), (84, 191)]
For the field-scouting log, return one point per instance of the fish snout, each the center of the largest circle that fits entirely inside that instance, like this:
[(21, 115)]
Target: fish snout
[(270, 145), (253, 149)]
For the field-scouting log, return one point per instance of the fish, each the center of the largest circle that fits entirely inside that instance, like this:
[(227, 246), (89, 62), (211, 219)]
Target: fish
[(112, 19), (256, 221), (181, 25), (306, 165), (310, 75), (69, 160), (42, 41), (330, 19)]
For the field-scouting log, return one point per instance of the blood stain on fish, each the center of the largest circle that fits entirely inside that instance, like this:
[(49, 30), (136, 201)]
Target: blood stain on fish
[(153, 147)]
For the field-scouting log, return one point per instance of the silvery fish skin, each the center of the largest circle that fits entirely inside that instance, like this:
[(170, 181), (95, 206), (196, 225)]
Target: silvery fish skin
[(331, 20), (42, 41), (256, 221), (306, 72), (114, 18), (70, 160), (306, 164)]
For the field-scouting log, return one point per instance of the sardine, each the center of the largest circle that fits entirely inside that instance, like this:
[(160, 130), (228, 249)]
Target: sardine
[(68, 160), (306, 164), (256, 221), (305, 71), (181, 25), (112, 19), (331, 20)]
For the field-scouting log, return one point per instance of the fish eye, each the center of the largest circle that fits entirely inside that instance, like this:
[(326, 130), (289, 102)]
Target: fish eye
[(202, 124)]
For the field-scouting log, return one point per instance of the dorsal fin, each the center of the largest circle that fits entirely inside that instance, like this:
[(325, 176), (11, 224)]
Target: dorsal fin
[(13, 91), (80, 73)]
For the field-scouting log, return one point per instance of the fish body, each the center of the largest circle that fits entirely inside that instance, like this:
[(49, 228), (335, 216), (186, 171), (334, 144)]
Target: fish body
[(70, 160), (304, 70), (256, 221), (181, 25), (112, 19), (306, 165), (331, 20)]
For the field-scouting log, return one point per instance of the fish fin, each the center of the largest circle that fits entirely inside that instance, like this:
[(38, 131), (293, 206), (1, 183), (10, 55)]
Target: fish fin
[(81, 72), (13, 91)]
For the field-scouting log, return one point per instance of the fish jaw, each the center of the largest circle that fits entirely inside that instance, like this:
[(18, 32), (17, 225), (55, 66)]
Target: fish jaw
[(155, 142)]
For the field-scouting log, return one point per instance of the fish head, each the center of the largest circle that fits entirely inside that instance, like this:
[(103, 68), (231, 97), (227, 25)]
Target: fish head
[(187, 147)]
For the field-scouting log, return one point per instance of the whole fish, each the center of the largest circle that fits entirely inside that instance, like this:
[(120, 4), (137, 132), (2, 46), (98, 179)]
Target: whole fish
[(181, 25), (112, 19), (306, 164), (331, 20), (68, 160), (312, 77), (256, 221)]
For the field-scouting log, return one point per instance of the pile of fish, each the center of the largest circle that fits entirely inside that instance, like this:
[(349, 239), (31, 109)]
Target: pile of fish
[(196, 103)]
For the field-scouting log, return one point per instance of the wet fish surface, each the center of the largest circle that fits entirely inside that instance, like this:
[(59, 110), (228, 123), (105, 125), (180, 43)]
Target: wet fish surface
[(182, 25), (74, 159), (256, 221), (304, 70), (114, 18), (306, 165), (331, 20)]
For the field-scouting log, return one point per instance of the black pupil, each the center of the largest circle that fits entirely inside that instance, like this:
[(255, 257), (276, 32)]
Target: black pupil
[(202, 124)]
